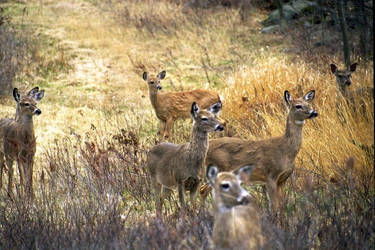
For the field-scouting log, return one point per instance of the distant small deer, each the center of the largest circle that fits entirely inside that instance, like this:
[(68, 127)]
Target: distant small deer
[(17, 140), (343, 81), (174, 105), (237, 224), (273, 158), (172, 165)]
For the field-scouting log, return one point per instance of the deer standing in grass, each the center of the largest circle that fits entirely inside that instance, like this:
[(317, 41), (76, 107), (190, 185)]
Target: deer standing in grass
[(172, 165), (17, 140), (237, 224), (273, 158), (343, 81), (174, 105)]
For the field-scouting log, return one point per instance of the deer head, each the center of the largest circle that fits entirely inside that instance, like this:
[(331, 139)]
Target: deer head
[(300, 109), (343, 76), (154, 82), (206, 120), (227, 186), (27, 104)]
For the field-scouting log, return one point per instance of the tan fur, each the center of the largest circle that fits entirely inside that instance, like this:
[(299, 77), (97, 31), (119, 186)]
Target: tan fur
[(176, 105), (17, 140), (273, 158), (172, 165), (237, 223)]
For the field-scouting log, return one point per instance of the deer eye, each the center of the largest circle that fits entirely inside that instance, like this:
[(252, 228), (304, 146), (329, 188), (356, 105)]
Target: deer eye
[(152, 82), (204, 119), (298, 106), (26, 104), (225, 186)]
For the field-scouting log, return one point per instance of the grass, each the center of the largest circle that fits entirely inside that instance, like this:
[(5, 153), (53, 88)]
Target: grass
[(92, 189)]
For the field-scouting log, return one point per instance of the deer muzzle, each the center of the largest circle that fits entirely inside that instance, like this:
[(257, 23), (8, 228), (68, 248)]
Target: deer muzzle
[(37, 112), (159, 87), (313, 114), (219, 128)]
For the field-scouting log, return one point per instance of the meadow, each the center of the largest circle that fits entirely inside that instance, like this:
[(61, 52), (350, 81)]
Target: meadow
[(92, 190)]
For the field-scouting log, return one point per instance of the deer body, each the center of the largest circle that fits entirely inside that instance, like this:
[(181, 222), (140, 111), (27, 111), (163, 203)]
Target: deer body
[(172, 165), (18, 142), (273, 158), (237, 223), (176, 105)]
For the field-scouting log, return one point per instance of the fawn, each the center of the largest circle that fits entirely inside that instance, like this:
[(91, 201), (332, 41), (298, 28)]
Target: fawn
[(17, 140), (273, 158), (237, 224), (174, 105), (172, 165)]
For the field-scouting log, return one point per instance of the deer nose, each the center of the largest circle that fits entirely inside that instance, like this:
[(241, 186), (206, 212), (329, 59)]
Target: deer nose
[(219, 128), (313, 114), (348, 82), (159, 87), (37, 112), (245, 199)]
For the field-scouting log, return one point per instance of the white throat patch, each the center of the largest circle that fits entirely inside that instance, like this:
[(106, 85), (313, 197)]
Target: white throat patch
[(300, 122)]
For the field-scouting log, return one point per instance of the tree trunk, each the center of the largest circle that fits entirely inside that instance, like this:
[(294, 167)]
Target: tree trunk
[(281, 12), (346, 48), (362, 25)]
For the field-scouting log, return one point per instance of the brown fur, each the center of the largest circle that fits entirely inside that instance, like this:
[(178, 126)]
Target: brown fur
[(17, 140), (174, 105), (343, 81), (172, 165), (237, 224), (273, 158)]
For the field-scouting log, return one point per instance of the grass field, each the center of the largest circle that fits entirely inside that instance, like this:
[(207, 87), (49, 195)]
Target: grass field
[(97, 123)]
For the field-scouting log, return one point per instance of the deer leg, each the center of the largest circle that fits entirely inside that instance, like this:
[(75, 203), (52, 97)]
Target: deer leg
[(28, 171), (1, 169), (9, 162), (158, 201), (21, 170), (181, 194), (193, 193), (273, 191), (168, 127), (161, 129), (166, 194)]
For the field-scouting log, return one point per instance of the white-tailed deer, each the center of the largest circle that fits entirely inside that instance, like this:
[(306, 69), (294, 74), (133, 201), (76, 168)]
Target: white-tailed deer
[(17, 140), (172, 165), (237, 224), (273, 158), (343, 81), (174, 105)]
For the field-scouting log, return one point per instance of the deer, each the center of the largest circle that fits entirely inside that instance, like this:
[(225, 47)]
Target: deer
[(343, 81), (273, 158), (18, 142), (237, 223), (171, 106), (179, 165)]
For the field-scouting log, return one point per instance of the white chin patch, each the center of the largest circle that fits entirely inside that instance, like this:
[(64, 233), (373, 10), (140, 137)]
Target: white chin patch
[(300, 122)]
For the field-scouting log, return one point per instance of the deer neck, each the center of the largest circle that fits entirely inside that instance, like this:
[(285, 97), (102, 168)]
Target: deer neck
[(26, 123), (293, 135), (198, 145), (154, 97)]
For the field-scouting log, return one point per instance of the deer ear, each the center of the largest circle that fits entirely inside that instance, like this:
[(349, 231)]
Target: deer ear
[(161, 75), (145, 76), (33, 91), (333, 68), (216, 108), (353, 67), (211, 174), (288, 97), (38, 96), (309, 95), (244, 173), (194, 110), (16, 95)]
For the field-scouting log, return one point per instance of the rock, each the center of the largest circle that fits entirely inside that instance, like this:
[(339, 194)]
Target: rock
[(271, 29)]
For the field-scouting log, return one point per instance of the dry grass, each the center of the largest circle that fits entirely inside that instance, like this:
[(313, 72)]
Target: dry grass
[(97, 124)]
